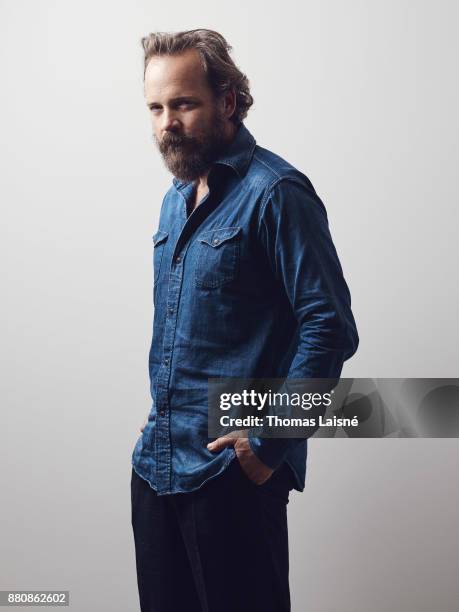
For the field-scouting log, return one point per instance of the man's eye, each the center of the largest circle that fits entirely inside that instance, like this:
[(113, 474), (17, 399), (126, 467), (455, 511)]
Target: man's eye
[(155, 108), (185, 104)]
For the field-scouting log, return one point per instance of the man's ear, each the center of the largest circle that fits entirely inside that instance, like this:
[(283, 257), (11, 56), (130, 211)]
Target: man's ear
[(229, 102)]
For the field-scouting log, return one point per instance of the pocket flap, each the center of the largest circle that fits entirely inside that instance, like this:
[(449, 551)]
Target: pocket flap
[(159, 237), (216, 237)]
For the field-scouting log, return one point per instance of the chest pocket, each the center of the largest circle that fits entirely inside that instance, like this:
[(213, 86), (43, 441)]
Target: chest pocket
[(159, 241), (218, 254)]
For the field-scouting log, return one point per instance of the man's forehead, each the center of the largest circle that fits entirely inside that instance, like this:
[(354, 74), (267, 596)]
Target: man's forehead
[(173, 74)]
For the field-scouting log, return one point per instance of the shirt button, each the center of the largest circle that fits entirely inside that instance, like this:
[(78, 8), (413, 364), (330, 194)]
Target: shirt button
[(215, 241), (166, 361), (178, 259), (161, 413), (171, 311)]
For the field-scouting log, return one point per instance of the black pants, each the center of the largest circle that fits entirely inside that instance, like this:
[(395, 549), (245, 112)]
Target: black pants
[(222, 548)]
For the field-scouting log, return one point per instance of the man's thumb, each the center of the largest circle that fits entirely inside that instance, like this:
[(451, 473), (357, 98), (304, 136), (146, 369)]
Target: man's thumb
[(220, 443)]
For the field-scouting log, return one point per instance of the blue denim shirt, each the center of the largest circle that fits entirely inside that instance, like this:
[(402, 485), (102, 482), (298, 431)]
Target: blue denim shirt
[(249, 285)]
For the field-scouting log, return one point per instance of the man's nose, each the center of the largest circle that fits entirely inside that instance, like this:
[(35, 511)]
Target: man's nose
[(170, 122)]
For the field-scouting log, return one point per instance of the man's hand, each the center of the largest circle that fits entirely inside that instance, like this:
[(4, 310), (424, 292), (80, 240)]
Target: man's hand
[(255, 470)]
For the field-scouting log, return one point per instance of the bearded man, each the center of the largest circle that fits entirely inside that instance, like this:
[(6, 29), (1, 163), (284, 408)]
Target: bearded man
[(247, 284)]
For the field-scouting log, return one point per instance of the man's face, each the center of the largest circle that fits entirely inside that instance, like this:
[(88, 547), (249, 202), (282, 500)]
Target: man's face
[(189, 124)]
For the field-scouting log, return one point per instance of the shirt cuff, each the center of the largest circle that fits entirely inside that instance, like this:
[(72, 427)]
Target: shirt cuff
[(272, 451)]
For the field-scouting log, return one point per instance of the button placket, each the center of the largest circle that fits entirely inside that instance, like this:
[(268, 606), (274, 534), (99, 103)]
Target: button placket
[(163, 449)]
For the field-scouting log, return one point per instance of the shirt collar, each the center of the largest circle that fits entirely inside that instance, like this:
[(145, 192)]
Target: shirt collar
[(238, 155)]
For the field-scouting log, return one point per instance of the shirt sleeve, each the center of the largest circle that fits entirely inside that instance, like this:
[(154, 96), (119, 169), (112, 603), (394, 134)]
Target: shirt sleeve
[(294, 233)]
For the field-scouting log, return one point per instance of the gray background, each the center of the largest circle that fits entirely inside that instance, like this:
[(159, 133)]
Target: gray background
[(360, 95)]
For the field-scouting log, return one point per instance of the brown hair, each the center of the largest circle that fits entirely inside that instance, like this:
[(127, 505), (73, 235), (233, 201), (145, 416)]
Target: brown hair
[(222, 72)]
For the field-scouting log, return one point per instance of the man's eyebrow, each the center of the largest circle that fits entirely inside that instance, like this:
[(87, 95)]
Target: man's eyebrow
[(181, 98), (176, 100)]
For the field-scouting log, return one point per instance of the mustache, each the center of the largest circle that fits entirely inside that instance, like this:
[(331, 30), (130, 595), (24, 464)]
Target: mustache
[(171, 142)]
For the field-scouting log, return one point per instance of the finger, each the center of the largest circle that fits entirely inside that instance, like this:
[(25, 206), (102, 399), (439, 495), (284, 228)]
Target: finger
[(220, 443)]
